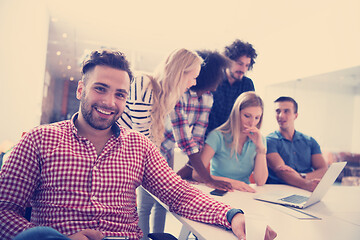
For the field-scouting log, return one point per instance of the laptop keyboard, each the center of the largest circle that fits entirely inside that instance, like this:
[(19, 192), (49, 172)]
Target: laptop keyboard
[(295, 199)]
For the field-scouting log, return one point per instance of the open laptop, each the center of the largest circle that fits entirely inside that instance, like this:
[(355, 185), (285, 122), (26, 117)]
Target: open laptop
[(302, 201)]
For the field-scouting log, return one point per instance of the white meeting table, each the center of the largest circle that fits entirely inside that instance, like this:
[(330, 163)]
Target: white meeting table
[(338, 216)]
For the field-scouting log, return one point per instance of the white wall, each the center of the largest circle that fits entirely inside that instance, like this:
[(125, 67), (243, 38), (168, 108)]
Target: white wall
[(356, 131), (23, 44), (330, 116), (324, 38)]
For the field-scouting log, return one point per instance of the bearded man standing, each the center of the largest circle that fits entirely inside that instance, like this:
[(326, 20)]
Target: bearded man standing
[(242, 57)]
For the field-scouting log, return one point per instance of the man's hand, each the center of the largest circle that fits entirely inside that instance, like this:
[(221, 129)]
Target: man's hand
[(218, 184), (311, 184), (185, 172), (238, 226), (87, 234), (269, 233)]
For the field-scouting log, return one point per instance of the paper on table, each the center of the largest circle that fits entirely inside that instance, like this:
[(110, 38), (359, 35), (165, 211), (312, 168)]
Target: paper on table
[(255, 226)]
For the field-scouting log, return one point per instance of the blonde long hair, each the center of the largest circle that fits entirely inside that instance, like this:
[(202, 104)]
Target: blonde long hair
[(167, 84), (233, 125)]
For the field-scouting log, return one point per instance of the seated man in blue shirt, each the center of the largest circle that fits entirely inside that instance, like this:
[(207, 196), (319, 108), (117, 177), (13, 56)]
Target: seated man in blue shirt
[(293, 158)]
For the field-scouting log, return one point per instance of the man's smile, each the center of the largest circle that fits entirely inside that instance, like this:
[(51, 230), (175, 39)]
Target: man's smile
[(104, 111)]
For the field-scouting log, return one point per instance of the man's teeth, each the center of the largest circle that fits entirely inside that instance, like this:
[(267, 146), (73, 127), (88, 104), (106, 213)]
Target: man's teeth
[(103, 111)]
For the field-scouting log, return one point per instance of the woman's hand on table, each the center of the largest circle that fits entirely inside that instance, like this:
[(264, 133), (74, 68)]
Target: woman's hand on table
[(219, 184), (242, 186)]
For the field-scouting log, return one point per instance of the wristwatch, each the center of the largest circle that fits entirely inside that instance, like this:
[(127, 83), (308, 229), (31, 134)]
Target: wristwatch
[(232, 212)]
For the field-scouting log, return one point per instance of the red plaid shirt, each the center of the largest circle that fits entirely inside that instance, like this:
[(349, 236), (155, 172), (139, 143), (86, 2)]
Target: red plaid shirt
[(70, 188), (189, 121)]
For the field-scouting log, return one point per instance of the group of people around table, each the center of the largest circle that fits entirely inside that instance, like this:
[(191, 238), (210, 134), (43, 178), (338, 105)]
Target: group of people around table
[(82, 176)]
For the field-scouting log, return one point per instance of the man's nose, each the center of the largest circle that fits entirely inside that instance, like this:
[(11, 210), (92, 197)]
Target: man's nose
[(109, 100)]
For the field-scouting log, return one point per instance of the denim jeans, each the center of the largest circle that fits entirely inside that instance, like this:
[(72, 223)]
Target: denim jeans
[(146, 203), (40, 233)]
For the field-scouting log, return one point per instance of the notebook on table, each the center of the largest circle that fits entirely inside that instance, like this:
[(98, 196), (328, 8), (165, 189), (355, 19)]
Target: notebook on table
[(303, 201)]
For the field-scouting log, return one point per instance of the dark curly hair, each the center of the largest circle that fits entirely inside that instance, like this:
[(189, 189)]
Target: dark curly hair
[(110, 58), (238, 49), (211, 73)]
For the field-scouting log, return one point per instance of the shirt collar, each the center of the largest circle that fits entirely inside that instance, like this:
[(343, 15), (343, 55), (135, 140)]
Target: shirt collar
[(115, 128), (192, 93), (295, 137)]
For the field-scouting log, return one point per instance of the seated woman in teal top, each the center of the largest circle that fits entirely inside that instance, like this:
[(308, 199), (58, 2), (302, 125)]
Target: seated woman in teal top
[(236, 149)]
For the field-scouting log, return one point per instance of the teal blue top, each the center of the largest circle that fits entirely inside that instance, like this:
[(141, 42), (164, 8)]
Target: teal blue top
[(225, 164)]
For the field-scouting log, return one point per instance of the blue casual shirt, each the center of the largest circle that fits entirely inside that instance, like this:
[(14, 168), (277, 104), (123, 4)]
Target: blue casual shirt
[(224, 98), (225, 163), (296, 153)]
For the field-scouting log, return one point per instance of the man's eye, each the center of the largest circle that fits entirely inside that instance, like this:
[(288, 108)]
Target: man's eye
[(100, 89), (121, 95)]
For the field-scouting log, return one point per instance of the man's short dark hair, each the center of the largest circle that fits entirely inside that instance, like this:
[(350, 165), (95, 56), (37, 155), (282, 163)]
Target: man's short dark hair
[(212, 70), (238, 49), (288, 99), (109, 58)]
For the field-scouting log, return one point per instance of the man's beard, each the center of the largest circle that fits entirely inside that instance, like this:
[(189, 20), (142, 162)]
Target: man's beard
[(98, 124), (236, 78)]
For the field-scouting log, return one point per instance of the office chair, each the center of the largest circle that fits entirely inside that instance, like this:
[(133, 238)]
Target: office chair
[(161, 236)]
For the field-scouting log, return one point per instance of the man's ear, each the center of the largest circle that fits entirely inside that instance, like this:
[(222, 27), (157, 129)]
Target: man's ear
[(79, 89), (296, 115)]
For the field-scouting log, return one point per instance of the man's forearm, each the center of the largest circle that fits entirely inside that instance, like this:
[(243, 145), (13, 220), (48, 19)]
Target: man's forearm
[(12, 224), (318, 173), (199, 167), (292, 178)]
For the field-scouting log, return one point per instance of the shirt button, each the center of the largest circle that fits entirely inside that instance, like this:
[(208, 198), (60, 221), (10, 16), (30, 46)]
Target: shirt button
[(95, 168), (94, 198)]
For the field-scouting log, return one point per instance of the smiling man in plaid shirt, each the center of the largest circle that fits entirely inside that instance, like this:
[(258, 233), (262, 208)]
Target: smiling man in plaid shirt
[(80, 175)]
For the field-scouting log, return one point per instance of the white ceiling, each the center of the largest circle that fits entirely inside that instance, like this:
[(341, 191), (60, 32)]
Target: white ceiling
[(147, 30)]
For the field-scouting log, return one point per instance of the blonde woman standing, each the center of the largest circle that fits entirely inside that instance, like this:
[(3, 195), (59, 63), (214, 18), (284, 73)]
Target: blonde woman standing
[(151, 99), (153, 96), (237, 149)]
